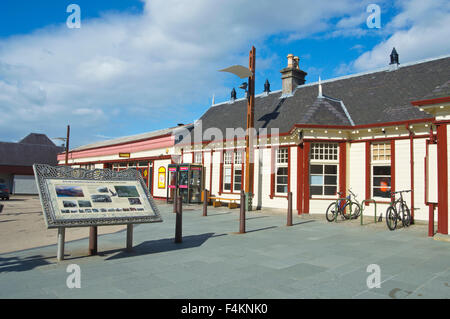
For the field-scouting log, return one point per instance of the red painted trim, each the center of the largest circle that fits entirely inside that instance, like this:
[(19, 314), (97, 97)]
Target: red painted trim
[(221, 173), (306, 148), (368, 179), (192, 157), (272, 172), (384, 124), (324, 140), (289, 169), (19, 170), (152, 176), (442, 179), (137, 159), (392, 165), (299, 179), (210, 172), (431, 101), (389, 138), (342, 168), (411, 154)]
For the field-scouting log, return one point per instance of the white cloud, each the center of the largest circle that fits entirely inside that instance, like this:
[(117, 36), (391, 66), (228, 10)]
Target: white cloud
[(417, 32), (123, 69)]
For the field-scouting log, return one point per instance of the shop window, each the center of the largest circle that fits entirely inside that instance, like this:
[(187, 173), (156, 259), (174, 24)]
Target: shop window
[(281, 171), (381, 170), (323, 169)]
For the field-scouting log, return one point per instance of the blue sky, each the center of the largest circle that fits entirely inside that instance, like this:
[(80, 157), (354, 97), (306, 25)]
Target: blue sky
[(136, 66)]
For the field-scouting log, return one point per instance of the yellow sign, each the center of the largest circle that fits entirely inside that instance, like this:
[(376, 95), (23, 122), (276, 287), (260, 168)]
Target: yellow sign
[(145, 173), (162, 177), (127, 155)]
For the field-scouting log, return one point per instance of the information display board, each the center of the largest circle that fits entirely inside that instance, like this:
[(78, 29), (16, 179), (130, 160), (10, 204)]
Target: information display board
[(74, 197)]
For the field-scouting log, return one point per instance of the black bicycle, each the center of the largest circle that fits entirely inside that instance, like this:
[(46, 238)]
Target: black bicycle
[(398, 210), (339, 206)]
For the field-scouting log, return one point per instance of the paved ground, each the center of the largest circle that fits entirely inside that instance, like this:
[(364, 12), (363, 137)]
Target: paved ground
[(312, 259), (22, 225)]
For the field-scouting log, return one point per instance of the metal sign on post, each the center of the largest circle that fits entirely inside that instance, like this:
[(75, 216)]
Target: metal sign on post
[(76, 197)]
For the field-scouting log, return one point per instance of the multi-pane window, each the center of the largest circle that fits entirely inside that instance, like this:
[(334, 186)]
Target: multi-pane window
[(232, 171), (323, 178), (281, 171), (381, 170), (227, 168), (237, 171), (198, 156), (324, 151)]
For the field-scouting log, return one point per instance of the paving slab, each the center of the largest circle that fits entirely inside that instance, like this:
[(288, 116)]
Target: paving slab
[(312, 259)]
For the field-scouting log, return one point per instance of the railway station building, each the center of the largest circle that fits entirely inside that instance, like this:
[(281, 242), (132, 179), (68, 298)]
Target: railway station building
[(373, 132)]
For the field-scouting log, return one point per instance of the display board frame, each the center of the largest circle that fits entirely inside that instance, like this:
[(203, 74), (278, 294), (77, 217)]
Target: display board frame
[(47, 176)]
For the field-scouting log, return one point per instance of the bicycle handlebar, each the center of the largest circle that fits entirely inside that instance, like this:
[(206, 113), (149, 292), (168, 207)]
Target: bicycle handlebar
[(397, 192)]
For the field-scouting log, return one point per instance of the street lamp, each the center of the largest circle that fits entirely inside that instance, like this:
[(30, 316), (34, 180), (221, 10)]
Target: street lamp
[(249, 88)]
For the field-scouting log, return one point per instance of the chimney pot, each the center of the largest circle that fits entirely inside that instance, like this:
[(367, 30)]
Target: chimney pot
[(292, 76)]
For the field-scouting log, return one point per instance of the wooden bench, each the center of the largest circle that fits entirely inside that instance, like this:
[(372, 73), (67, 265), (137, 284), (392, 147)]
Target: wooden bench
[(216, 201)]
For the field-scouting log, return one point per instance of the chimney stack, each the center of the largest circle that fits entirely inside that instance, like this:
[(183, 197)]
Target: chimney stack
[(292, 76)]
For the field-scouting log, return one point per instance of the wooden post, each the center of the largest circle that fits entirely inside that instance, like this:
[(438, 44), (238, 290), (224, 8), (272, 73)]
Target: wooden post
[(61, 239), (242, 214), (249, 151), (205, 202), (93, 236), (178, 220), (67, 145), (129, 237), (289, 211)]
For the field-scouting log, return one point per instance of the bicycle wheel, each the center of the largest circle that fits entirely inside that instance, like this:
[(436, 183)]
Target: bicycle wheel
[(406, 216), (331, 212), (356, 210), (391, 218)]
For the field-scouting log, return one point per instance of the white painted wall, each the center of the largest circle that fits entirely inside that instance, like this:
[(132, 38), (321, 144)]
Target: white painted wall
[(403, 168), (421, 210), (160, 192), (356, 170)]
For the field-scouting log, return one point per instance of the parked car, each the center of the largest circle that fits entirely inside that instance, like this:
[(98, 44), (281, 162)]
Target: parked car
[(4, 192)]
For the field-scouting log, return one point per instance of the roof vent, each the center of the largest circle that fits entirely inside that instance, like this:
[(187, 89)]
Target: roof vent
[(267, 86), (394, 59), (233, 95)]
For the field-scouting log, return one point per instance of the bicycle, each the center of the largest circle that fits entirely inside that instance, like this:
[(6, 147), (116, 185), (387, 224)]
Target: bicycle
[(394, 214), (339, 206)]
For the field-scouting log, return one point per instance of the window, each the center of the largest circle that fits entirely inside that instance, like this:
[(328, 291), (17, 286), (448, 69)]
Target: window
[(281, 171), (198, 157), (323, 178), (227, 168), (381, 170), (237, 172), (232, 171)]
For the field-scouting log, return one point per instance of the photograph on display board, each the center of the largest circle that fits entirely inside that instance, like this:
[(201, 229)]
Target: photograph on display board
[(97, 198), (84, 203), (69, 191), (134, 201), (69, 203), (126, 191)]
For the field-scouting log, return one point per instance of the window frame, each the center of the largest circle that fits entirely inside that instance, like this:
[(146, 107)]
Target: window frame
[(385, 162), (281, 161), (315, 159)]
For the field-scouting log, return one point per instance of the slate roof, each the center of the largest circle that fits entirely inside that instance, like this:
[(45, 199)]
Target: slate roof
[(380, 96), (33, 149)]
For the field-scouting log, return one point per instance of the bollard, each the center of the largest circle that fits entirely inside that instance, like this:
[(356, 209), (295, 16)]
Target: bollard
[(61, 240), (129, 237), (178, 220), (93, 238), (1, 208), (205, 202), (242, 214), (289, 211), (175, 201)]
